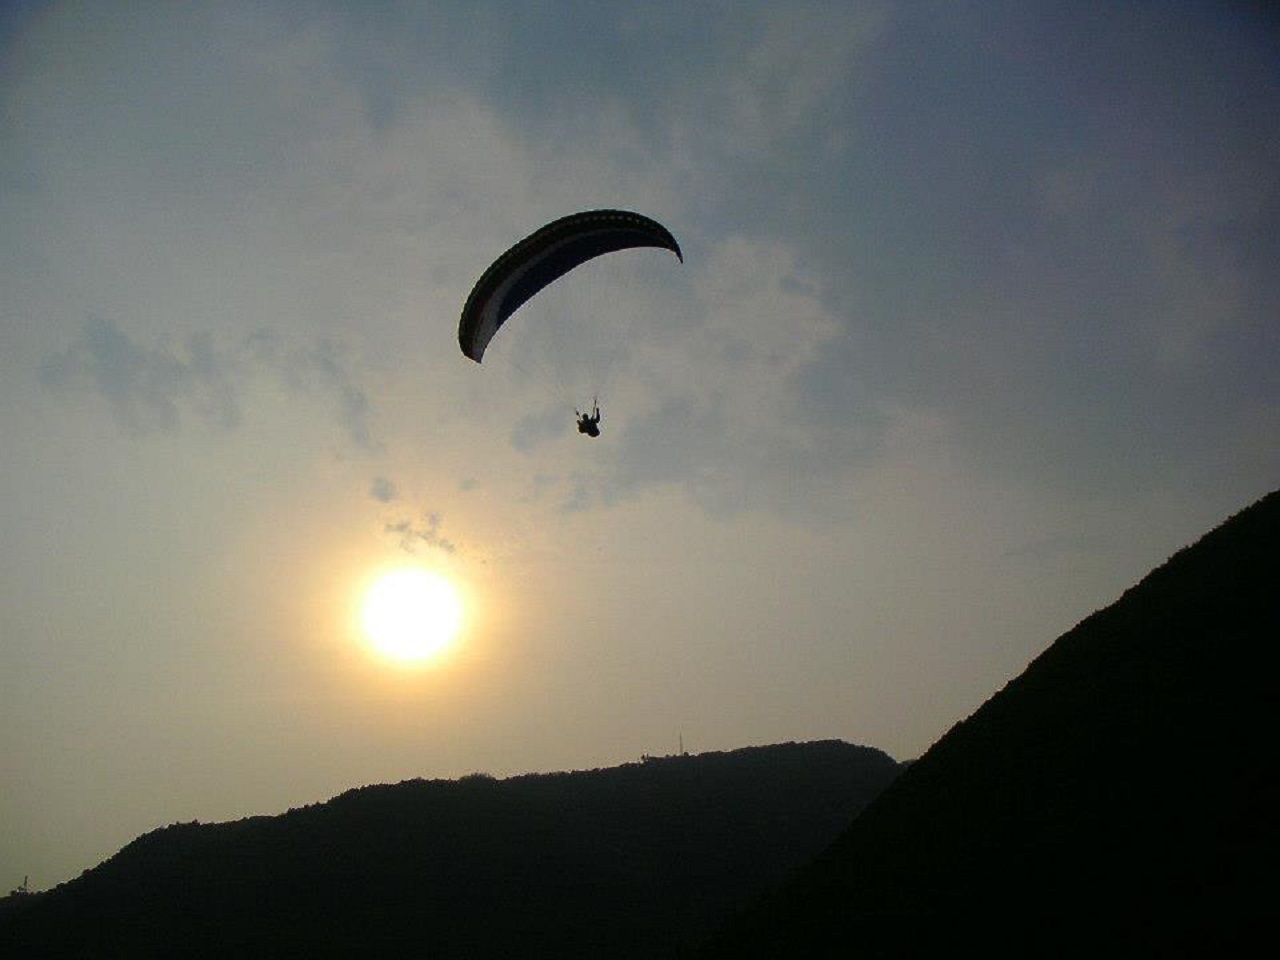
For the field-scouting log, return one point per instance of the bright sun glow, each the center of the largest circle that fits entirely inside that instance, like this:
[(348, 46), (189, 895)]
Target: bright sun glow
[(411, 614)]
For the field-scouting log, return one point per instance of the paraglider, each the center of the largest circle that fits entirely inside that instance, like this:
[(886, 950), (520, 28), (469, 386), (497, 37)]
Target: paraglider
[(543, 257), (590, 423)]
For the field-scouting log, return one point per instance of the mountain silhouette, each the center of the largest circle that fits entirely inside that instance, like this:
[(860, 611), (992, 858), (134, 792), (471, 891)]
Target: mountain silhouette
[(642, 860), (1118, 798)]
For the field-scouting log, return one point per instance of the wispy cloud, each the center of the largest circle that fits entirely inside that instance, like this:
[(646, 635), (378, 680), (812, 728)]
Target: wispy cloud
[(155, 387), (147, 387), (316, 368), (383, 490), (424, 532)]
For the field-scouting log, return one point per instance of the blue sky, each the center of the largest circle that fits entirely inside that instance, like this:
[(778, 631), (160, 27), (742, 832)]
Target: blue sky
[(977, 323)]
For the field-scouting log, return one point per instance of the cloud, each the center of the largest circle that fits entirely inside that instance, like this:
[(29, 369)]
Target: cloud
[(383, 490), (146, 388), (1077, 284), (423, 533), (317, 368), (153, 388), (727, 411), (1065, 280), (540, 427)]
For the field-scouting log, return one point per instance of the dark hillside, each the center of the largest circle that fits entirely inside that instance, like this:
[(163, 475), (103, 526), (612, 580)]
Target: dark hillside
[(633, 861), (1118, 798)]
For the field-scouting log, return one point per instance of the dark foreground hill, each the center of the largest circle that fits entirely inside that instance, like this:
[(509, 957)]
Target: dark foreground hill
[(1119, 798), (641, 860)]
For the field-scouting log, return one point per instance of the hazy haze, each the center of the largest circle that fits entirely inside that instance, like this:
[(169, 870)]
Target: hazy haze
[(977, 323)]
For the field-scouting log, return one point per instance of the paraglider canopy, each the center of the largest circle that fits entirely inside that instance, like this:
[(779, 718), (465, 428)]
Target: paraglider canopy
[(542, 258)]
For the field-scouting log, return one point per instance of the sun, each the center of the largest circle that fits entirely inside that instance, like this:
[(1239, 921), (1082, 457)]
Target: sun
[(411, 615)]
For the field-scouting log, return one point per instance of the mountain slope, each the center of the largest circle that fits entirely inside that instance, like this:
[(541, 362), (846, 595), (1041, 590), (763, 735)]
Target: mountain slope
[(632, 861), (1119, 796)]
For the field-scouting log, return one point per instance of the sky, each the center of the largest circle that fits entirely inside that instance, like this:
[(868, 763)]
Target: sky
[(978, 322)]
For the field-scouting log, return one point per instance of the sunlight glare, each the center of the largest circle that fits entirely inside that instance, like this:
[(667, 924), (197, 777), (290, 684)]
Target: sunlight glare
[(410, 615)]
